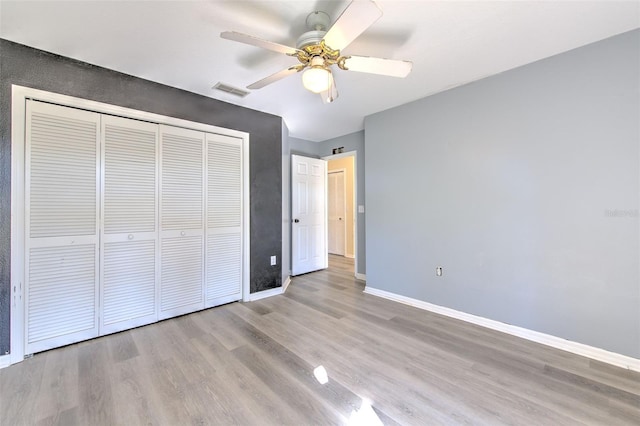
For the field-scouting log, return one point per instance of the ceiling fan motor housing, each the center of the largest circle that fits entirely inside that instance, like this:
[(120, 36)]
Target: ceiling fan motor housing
[(310, 38), (317, 24)]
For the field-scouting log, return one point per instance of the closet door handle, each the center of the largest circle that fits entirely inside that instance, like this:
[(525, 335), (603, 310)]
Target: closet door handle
[(130, 236), (183, 233)]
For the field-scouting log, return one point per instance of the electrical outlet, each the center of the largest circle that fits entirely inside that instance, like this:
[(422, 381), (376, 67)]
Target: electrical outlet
[(273, 261), (439, 271)]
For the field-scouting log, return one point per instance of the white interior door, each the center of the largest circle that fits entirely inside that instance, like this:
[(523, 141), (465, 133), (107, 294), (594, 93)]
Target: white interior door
[(130, 216), (337, 212), (223, 281), (61, 227), (309, 214), (181, 221)]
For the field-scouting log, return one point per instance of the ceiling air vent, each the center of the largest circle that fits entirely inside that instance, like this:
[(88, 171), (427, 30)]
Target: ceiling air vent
[(230, 89)]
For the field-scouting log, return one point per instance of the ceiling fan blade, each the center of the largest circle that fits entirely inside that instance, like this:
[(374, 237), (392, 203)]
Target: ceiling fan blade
[(390, 67), (255, 41), (274, 77), (331, 94), (357, 17)]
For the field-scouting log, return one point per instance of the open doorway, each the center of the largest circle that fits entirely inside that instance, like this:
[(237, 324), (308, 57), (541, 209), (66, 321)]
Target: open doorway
[(341, 208)]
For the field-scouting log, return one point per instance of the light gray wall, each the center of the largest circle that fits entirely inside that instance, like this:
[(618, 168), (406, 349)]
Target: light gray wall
[(525, 187), (304, 147)]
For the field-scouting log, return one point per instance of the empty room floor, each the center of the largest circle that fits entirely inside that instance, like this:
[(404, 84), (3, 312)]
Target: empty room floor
[(323, 353)]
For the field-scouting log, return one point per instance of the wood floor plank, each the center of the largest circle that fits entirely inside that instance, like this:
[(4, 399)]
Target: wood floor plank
[(122, 347), (315, 322), (333, 393), (130, 395), (96, 404), (58, 391), (253, 364), (294, 393), (19, 387), (218, 326), (67, 417), (612, 392), (244, 388), (314, 304)]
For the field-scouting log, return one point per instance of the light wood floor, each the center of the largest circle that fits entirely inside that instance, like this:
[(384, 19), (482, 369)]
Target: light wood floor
[(253, 364)]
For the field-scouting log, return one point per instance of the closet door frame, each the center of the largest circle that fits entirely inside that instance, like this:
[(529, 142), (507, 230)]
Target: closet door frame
[(19, 96)]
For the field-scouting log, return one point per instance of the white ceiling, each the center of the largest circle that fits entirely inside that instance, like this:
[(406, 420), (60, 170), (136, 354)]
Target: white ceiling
[(177, 43)]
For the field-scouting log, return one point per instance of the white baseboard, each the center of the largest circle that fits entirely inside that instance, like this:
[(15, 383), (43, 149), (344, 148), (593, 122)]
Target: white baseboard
[(286, 283), (360, 276), (5, 361), (265, 293), (592, 352)]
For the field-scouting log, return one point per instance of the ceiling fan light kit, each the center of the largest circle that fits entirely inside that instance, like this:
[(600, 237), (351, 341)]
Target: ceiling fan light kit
[(318, 49), (317, 78)]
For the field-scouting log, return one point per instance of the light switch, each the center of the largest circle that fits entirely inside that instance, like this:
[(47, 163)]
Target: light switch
[(360, 209)]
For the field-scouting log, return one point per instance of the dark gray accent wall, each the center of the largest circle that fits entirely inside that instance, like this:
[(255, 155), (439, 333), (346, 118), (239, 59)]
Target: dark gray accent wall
[(525, 188), (33, 68)]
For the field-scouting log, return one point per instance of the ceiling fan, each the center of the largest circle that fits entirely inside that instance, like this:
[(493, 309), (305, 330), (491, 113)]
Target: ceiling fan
[(319, 48)]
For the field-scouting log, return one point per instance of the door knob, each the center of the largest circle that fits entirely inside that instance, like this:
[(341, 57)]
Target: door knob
[(296, 220)]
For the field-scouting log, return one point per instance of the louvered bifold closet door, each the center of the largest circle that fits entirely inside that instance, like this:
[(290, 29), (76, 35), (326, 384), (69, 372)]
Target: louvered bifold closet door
[(224, 220), (130, 216), (61, 226), (181, 221)]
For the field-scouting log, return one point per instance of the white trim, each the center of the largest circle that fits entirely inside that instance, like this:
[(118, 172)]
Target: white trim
[(19, 96), (360, 276), (341, 155), (286, 283), (592, 352), (246, 219), (265, 293), (103, 108), (18, 120), (5, 361)]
